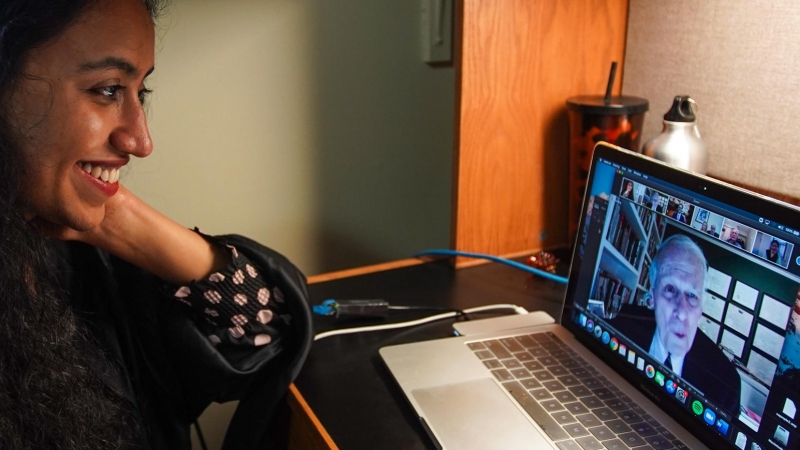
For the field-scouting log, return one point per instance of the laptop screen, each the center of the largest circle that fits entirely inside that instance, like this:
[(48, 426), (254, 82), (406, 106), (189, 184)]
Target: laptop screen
[(689, 288)]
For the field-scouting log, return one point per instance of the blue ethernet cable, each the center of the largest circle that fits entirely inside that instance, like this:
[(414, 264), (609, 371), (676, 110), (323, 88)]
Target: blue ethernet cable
[(533, 270)]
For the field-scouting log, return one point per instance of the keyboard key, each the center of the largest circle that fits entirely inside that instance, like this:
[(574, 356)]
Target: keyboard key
[(637, 409), (632, 439), (624, 398), (509, 385), (526, 341), (539, 415), (568, 445), (563, 396), (603, 394), (548, 361), (538, 352), (564, 417), (502, 375), (589, 443), (666, 433), (649, 419), (579, 391), (542, 338), (629, 416), (541, 394), (616, 405), (543, 375), (602, 433), (618, 426), (492, 364), (520, 373), (553, 386), (643, 429), (554, 337), (558, 354), (524, 356), (497, 349), (530, 383), (512, 345), (605, 414), (552, 405), (580, 372), (592, 383), (533, 366), (659, 442), (484, 354), (569, 380), (576, 430), (576, 408), (558, 370), (680, 445), (589, 420), (569, 363), (592, 402), (476, 346), (615, 444), (511, 363)]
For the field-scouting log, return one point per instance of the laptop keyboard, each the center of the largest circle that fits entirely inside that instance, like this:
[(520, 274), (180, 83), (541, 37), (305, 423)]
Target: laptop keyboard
[(575, 406)]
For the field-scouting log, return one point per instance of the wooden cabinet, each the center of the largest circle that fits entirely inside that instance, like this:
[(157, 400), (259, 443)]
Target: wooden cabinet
[(517, 61)]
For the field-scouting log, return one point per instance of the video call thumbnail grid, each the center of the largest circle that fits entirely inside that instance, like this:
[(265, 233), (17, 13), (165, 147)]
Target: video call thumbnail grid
[(745, 306)]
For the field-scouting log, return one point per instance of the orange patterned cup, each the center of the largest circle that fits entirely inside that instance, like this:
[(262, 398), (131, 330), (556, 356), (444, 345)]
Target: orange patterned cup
[(592, 119)]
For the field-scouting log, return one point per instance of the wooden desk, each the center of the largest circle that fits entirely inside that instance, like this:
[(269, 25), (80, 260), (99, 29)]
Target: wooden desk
[(345, 398)]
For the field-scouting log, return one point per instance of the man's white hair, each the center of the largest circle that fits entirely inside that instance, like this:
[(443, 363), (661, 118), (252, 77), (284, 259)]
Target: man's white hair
[(674, 242)]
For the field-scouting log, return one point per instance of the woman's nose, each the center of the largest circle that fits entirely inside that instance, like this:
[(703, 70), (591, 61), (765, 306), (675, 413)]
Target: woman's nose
[(131, 134)]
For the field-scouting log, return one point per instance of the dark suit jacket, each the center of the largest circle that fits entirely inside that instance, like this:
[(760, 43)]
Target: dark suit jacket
[(705, 366)]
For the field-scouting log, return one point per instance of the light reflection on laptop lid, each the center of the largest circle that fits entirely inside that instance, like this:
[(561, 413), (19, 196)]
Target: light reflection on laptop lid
[(688, 287)]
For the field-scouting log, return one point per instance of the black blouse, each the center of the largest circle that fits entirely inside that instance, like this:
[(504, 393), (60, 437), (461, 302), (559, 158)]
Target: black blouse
[(242, 334)]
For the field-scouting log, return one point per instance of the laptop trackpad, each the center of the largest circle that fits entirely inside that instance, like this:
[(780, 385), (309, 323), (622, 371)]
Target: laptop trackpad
[(477, 415)]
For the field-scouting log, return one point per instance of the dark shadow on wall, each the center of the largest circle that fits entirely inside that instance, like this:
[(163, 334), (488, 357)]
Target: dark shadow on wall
[(383, 135), (556, 180)]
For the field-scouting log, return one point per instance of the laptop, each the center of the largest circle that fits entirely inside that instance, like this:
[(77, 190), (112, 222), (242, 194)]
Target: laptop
[(679, 330)]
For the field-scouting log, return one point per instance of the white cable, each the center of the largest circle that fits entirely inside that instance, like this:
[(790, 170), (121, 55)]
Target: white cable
[(411, 323)]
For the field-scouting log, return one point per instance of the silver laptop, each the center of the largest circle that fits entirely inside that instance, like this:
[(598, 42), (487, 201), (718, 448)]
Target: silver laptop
[(679, 330)]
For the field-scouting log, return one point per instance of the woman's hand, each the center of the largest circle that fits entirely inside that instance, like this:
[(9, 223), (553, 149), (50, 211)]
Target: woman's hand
[(139, 234)]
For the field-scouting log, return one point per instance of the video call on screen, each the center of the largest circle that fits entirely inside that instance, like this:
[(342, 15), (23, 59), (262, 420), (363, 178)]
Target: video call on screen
[(741, 372)]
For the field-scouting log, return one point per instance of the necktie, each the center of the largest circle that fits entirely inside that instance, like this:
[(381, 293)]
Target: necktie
[(668, 362)]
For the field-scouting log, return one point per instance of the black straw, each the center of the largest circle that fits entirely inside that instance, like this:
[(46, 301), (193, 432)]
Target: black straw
[(611, 77)]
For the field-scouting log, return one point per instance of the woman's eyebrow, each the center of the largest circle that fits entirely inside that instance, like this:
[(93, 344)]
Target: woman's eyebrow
[(113, 62)]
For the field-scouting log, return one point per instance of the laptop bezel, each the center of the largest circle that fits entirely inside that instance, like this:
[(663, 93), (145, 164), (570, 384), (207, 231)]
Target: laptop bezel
[(750, 201)]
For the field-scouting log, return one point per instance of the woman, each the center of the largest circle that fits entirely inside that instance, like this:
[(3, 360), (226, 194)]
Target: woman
[(119, 326), (772, 252), (627, 192)]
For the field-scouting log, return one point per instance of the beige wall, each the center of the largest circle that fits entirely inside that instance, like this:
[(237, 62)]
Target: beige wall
[(739, 59), (311, 126)]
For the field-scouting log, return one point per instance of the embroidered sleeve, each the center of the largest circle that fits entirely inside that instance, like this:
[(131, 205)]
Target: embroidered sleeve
[(236, 305)]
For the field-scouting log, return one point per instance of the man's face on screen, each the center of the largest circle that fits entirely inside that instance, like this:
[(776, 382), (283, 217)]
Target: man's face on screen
[(677, 298)]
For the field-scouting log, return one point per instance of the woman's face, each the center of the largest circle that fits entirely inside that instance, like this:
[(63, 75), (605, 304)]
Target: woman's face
[(773, 246), (80, 114)]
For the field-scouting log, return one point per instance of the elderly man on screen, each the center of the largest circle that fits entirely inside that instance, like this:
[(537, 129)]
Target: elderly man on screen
[(677, 278)]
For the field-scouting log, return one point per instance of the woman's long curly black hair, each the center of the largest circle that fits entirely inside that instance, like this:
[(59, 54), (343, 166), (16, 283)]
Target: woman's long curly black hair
[(49, 396)]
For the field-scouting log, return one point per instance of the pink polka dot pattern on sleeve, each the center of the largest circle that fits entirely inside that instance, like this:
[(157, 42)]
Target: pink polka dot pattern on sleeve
[(235, 305)]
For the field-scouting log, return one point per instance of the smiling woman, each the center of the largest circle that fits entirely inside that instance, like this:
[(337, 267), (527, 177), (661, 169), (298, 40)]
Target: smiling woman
[(119, 326)]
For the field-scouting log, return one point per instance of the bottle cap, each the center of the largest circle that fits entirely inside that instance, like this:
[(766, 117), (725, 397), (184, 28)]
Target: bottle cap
[(682, 110)]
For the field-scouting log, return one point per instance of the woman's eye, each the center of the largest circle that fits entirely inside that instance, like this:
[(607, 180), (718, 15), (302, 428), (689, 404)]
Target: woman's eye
[(143, 94), (109, 91)]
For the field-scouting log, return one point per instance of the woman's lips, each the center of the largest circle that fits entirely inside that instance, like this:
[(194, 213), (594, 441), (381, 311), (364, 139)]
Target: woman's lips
[(104, 178)]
